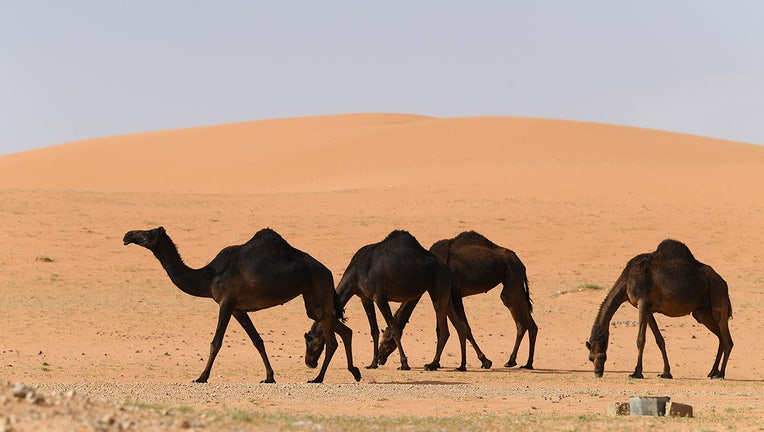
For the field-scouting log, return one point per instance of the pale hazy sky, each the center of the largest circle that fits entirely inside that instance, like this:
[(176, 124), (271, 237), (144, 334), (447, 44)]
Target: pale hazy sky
[(73, 69)]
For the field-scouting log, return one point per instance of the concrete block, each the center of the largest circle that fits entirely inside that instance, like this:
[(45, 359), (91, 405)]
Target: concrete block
[(676, 409), (618, 409), (648, 405)]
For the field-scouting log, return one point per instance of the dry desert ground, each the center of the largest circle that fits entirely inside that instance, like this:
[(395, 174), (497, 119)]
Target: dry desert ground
[(105, 341)]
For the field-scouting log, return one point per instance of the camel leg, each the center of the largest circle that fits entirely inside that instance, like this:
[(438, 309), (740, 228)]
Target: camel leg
[(441, 328), (726, 342), (662, 346), (463, 331), (402, 315), (644, 318), (384, 308), (248, 327), (347, 339), (706, 318), (371, 315), (331, 347), (224, 316), (533, 330), (524, 322)]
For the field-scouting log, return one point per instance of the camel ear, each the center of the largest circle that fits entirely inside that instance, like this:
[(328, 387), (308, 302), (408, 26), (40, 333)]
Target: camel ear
[(588, 345), (307, 336), (161, 230)]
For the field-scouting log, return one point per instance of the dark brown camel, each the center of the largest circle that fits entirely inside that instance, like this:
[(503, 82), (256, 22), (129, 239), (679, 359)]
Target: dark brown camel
[(670, 281), (265, 271), (396, 269), (478, 265)]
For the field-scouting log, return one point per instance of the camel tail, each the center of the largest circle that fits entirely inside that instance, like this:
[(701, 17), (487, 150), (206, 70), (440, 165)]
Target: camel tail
[(527, 293), (339, 310), (729, 307)]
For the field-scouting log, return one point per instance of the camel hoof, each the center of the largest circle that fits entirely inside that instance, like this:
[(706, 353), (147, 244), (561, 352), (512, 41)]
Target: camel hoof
[(665, 376), (510, 363), (486, 364), (461, 369), (268, 381), (717, 376), (404, 367), (200, 380), (316, 381), (372, 366), (432, 366), (356, 374), (528, 366), (636, 375)]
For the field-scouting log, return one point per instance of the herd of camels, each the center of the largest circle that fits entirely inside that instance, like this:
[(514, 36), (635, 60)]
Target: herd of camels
[(267, 271)]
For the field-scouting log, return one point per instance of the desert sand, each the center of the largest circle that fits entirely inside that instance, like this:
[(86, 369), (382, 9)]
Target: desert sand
[(574, 200)]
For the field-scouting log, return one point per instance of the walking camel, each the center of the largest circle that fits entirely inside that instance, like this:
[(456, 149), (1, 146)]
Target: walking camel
[(264, 272), (396, 269), (477, 266), (670, 281)]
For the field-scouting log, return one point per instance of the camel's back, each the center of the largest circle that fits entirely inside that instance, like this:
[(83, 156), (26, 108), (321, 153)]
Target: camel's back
[(674, 259), (268, 254), (400, 243), (674, 280), (674, 250), (401, 262), (473, 238), (478, 264)]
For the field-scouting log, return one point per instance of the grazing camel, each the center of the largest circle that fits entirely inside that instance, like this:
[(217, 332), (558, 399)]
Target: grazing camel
[(265, 271), (478, 265), (396, 269), (670, 281)]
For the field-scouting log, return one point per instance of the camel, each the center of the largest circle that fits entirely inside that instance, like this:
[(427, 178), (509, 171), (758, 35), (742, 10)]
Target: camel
[(396, 269), (264, 272), (477, 266), (670, 281)]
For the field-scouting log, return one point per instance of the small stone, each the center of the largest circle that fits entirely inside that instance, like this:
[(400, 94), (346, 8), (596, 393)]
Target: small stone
[(618, 409), (21, 391), (675, 409), (648, 405), (108, 419)]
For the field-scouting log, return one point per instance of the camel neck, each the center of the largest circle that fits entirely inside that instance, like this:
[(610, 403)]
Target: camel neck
[(195, 282), (344, 290), (614, 299)]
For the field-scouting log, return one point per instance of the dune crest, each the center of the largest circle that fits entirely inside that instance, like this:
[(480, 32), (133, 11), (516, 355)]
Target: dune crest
[(358, 151)]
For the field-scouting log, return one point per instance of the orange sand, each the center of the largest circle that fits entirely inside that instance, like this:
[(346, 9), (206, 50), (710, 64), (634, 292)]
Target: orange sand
[(574, 200)]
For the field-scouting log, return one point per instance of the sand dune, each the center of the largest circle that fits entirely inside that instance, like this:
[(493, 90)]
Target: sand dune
[(575, 200), (321, 154)]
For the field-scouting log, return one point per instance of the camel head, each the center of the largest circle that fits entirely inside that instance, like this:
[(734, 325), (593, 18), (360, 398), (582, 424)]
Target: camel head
[(597, 355), (314, 345), (147, 239)]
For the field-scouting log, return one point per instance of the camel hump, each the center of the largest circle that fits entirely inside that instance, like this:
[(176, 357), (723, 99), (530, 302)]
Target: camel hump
[(399, 235), (400, 239), (270, 238), (675, 249), (473, 238)]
